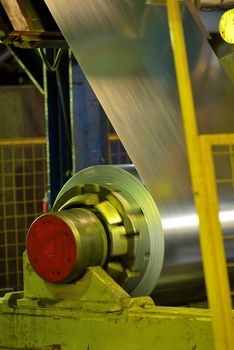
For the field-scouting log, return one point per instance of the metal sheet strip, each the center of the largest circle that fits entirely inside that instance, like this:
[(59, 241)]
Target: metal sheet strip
[(124, 49)]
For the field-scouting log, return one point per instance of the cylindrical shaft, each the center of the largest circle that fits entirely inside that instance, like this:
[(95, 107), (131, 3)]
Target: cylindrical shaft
[(61, 245)]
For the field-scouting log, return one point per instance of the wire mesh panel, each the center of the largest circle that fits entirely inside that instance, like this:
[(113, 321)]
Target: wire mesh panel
[(23, 183), (218, 165), (223, 157)]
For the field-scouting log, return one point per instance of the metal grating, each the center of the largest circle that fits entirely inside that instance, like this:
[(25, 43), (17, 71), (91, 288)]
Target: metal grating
[(23, 184)]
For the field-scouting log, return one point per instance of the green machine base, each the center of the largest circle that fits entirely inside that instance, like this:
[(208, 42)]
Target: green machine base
[(95, 313)]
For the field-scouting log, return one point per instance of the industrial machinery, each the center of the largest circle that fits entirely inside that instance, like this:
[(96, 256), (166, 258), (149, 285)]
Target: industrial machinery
[(104, 227), (105, 216), (107, 266)]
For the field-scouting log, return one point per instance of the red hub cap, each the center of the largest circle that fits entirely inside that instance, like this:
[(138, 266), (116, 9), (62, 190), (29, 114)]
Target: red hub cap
[(52, 248)]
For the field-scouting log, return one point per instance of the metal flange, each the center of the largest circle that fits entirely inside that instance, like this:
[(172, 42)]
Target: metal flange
[(131, 220)]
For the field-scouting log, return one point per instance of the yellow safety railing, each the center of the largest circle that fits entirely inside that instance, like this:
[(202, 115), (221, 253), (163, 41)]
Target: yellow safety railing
[(218, 163), (205, 193)]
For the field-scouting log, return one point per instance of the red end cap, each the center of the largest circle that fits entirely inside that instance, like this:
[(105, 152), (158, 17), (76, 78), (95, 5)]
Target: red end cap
[(52, 248)]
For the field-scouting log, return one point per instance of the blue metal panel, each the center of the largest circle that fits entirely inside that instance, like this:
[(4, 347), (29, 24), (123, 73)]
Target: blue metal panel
[(90, 131), (58, 125)]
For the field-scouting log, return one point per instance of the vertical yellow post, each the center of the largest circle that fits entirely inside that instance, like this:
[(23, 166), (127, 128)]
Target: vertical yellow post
[(212, 249)]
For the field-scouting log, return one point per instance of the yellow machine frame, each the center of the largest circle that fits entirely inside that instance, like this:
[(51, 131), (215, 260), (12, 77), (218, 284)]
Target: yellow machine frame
[(201, 165)]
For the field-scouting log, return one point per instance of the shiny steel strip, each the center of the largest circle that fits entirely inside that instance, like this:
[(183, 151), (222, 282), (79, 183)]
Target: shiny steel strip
[(124, 49)]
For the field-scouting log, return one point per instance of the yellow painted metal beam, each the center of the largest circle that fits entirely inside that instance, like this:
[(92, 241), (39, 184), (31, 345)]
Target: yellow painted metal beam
[(219, 139), (23, 141), (113, 137), (214, 263)]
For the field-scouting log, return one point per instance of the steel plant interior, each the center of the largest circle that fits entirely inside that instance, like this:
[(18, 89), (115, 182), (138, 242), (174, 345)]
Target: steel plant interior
[(126, 54)]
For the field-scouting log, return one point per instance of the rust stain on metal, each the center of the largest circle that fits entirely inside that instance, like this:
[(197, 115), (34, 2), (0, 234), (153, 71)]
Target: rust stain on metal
[(53, 347), (49, 347)]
